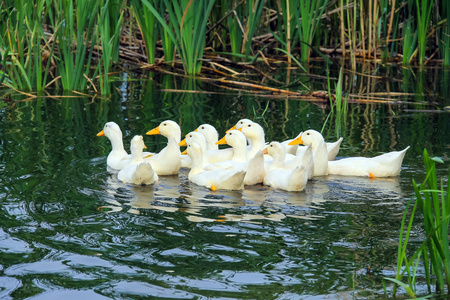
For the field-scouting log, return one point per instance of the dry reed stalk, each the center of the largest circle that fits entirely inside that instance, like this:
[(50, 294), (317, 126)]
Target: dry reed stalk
[(20, 92), (288, 32), (375, 29), (363, 38), (264, 74), (341, 17), (90, 81), (391, 20), (256, 86), (225, 68), (370, 29)]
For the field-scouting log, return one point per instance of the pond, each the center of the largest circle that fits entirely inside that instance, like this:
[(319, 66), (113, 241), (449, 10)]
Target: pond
[(70, 229)]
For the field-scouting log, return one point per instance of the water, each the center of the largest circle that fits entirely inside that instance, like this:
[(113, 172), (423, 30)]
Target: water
[(69, 229)]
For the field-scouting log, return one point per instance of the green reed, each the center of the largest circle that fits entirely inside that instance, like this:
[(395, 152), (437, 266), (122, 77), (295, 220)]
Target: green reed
[(338, 103), (433, 201), (288, 36), (410, 34), (148, 24), (77, 35), (424, 8), (444, 34), (235, 29), (253, 9), (109, 42), (307, 22), (21, 37), (188, 30)]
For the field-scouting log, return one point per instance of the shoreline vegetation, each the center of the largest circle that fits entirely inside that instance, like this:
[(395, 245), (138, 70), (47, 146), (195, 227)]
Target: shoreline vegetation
[(78, 46)]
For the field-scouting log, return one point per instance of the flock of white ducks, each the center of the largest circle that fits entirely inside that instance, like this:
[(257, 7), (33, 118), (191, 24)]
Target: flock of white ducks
[(249, 160)]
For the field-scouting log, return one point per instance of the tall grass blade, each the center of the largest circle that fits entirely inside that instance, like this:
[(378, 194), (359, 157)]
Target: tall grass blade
[(308, 21), (423, 18), (148, 24), (432, 200)]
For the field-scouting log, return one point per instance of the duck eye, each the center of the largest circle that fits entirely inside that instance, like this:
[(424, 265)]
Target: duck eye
[(231, 133), (203, 127), (249, 125), (307, 133), (165, 124)]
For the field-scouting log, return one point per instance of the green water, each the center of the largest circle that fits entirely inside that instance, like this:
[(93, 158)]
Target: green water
[(69, 229)]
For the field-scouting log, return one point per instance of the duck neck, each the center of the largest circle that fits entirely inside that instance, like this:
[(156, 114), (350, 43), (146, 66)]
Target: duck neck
[(211, 145), (278, 160), (117, 144), (172, 143), (137, 155), (257, 143), (239, 153), (198, 163)]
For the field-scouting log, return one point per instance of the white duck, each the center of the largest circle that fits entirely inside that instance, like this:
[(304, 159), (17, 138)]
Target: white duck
[(137, 171), (254, 167), (212, 155), (211, 135), (279, 175), (287, 179), (278, 152), (239, 125), (319, 149), (118, 157), (168, 160), (384, 165), (255, 135), (332, 148), (227, 179)]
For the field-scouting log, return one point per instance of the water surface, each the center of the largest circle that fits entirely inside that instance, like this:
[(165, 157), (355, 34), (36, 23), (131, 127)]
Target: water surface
[(70, 229)]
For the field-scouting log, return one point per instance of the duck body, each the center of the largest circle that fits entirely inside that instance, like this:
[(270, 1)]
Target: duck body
[(291, 175), (384, 165), (168, 160), (287, 179), (137, 171), (227, 179)]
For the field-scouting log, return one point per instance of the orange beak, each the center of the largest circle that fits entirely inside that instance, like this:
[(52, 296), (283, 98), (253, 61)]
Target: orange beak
[(154, 131), (222, 141), (184, 152), (182, 143), (232, 128), (297, 141), (265, 151), (101, 133)]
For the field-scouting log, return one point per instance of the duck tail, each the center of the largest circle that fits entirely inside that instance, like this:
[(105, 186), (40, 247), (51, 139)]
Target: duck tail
[(144, 174)]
